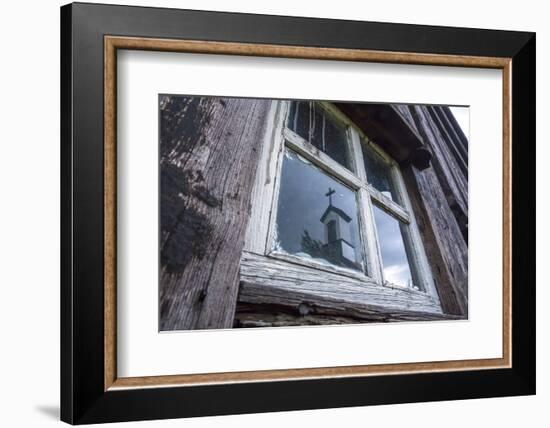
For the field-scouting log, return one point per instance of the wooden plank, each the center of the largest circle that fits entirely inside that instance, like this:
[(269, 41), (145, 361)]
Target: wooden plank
[(263, 191), (208, 156), (319, 265), (248, 315), (461, 137), (366, 220), (451, 178), (454, 143), (445, 246), (406, 115), (260, 315), (268, 281), (422, 275)]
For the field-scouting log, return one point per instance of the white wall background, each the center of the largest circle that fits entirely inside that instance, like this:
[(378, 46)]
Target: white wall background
[(29, 213)]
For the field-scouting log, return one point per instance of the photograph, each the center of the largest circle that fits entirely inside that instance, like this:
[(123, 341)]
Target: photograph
[(291, 212)]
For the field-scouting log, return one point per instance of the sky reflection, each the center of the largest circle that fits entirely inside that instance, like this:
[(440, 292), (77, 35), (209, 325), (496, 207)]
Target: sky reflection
[(394, 257)]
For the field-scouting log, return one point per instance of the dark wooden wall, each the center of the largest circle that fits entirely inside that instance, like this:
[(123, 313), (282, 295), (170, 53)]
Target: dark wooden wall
[(209, 149)]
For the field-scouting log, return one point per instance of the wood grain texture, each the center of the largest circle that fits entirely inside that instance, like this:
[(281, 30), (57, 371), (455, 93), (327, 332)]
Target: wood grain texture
[(405, 112), (449, 148), (264, 186), (304, 52), (252, 315), (209, 151), (109, 210), (371, 249), (269, 281), (268, 315), (388, 127), (446, 249), (440, 200), (414, 244)]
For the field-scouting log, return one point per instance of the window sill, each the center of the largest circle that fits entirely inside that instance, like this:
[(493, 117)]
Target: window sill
[(291, 294), (318, 265)]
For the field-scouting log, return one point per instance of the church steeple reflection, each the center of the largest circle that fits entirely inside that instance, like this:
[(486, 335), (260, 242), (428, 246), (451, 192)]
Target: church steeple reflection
[(337, 236), (313, 222)]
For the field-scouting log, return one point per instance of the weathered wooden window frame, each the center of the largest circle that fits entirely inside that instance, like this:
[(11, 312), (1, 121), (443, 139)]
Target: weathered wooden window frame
[(269, 277)]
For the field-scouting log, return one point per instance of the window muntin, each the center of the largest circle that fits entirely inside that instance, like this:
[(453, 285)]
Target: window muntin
[(376, 182), (379, 173), (317, 216), (318, 127)]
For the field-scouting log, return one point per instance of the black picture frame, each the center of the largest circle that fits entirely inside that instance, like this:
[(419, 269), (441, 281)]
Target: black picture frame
[(83, 398)]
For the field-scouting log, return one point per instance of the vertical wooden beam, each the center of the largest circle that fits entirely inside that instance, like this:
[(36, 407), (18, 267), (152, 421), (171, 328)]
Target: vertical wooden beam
[(110, 213), (445, 246), (453, 180), (209, 150), (264, 187), (368, 232)]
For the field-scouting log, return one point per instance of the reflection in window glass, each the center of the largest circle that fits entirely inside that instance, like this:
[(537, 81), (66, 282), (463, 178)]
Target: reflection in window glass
[(316, 216), (395, 263), (378, 173), (316, 126)]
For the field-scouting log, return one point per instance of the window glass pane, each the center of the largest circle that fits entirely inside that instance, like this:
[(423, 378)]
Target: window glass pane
[(395, 262), (315, 125), (316, 216), (378, 173)]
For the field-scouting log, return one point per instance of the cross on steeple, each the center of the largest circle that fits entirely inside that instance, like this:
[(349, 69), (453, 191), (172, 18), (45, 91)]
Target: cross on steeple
[(329, 194)]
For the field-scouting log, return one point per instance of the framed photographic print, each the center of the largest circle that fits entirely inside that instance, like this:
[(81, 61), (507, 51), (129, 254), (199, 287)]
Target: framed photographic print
[(264, 213)]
